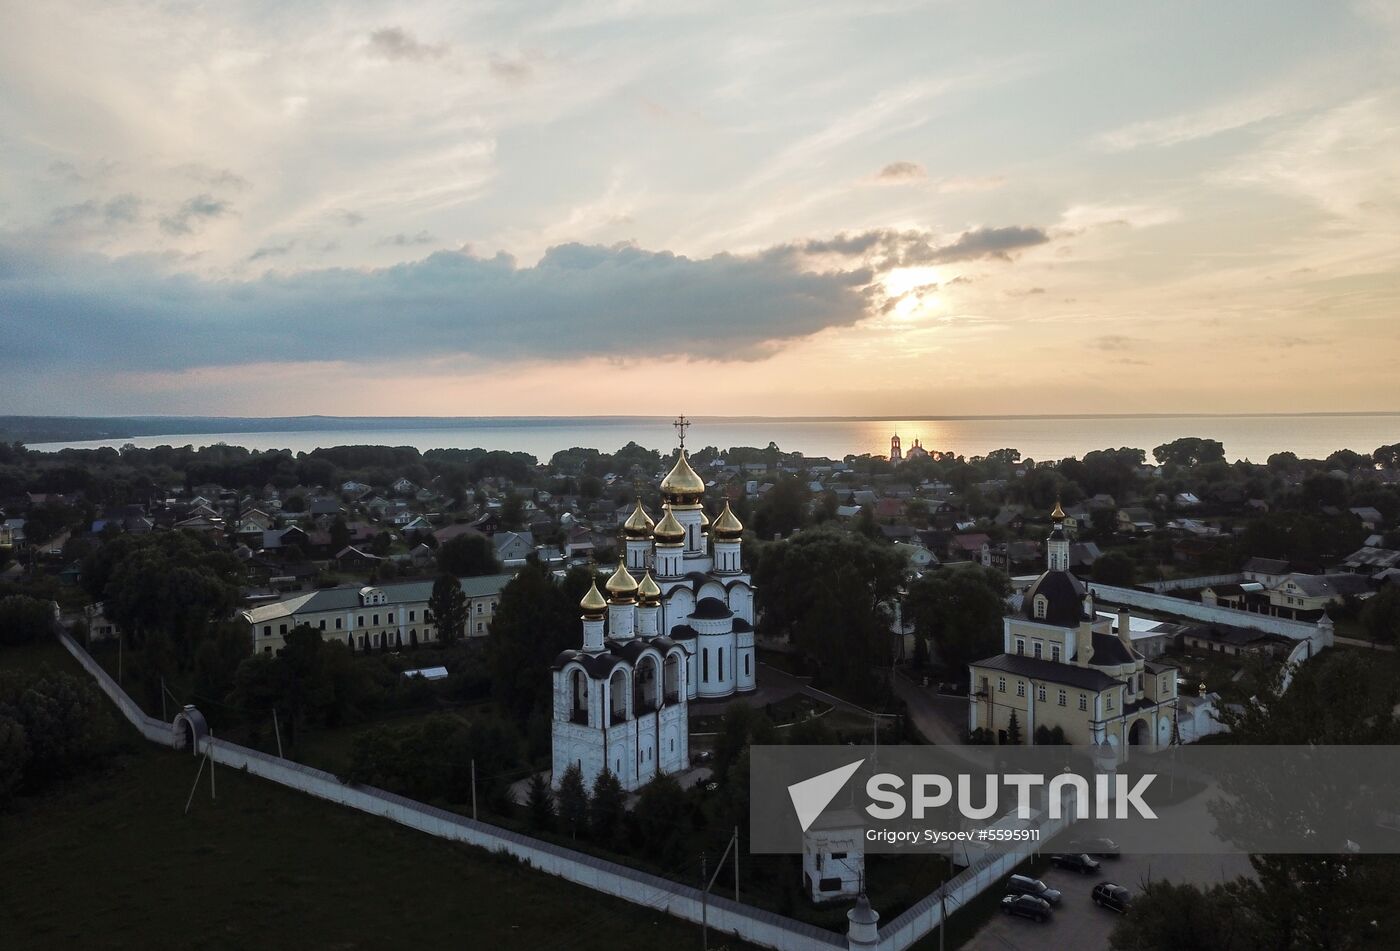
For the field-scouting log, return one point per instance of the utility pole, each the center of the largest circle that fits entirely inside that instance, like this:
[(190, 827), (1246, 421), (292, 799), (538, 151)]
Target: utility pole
[(213, 792), (278, 730), (736, 864), (704, 903)]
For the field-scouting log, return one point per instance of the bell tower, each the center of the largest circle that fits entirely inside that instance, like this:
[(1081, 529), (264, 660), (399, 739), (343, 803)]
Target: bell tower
[(896, 452)]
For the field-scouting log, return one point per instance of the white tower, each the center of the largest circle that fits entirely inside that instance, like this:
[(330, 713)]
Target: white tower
[(622, 600), (670, 546), (728, 533), (637, 530), (1057, 545)]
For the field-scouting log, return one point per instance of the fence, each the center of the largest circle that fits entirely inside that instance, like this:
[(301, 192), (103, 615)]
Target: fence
[(1319, 634), (754, 925), (1205, 581)]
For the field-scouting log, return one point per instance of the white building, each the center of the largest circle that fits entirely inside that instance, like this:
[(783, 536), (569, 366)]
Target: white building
[(685, 631)]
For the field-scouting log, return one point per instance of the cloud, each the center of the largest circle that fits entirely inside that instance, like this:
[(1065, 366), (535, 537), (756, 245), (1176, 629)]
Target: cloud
[(346, 217), (396, 43), (192, 212), (510, 70), (121, 210), (216, 178), (886, 248), (901, 172), (402, 240), (132, 315), (1115, 343), (272, 251)]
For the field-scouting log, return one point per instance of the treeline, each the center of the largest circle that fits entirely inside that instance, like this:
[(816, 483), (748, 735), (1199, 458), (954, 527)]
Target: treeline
[(53, 727)]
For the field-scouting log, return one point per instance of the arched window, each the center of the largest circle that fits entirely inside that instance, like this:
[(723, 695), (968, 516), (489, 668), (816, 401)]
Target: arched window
[(1041, 605)]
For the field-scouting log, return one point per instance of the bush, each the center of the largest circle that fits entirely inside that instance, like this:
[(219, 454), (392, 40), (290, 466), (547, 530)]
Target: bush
[(24, 620), (61, 723)]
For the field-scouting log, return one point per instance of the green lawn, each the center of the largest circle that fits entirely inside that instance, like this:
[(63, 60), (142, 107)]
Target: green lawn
[(112, 862)]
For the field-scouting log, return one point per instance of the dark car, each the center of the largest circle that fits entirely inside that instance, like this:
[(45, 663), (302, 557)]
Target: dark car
[(1109, 895), (1027, 906), (1021, 885), (1099, 848), (1076, 862)]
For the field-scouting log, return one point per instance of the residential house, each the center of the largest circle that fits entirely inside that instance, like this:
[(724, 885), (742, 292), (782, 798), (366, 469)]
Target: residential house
[(1371, 561), (1267, 571), (1135, 520), (1306, 596)]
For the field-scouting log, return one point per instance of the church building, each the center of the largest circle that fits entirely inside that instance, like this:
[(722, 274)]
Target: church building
[(683, 632), (1063, 666)]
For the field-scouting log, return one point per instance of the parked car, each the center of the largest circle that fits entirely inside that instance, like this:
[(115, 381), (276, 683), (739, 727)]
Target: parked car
[(1111, 896), (1027, 906), (1075, 862), (1022, 885), (1099, 848)]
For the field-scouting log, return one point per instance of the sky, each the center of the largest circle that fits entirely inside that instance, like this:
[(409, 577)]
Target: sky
[(616, 207)]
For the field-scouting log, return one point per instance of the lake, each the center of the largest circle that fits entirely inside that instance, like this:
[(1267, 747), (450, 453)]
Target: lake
[(1055, 437)]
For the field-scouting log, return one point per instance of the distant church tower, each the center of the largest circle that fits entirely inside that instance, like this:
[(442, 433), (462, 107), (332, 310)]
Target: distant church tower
[(896, 453), (1057, 545)]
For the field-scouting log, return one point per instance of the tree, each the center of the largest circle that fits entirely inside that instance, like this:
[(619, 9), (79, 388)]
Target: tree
[(14, 756), (1170, 917), (447, 607), (662, 816), (1115, 568), (605, 809), (783, 509), (959, 611), (828, 591), (65, 723), (1013, 730), (540, 803), (1189, 451), (340, 534), (536, 619), (468, 555), (24, 620), (1380, 618), (573, 801)]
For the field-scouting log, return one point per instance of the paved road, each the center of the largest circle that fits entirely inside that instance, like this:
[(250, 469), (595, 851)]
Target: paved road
[(940, 719), (1078, 923)]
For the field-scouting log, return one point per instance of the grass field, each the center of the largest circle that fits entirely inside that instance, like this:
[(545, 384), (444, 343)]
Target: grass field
[(112, 862)]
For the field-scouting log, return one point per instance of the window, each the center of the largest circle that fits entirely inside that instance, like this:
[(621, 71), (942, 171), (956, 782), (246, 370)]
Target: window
[(1164, 686), (747, 658), (1083, 702), (360, 621), (705, 665), (1055, 653), (1040, 605), (1036, 648), (337, 624), (391, 617), (323, 624), (1040, 694), (1139, 683), (376, 620), (721, 663), (1020, 688), (282, 629), (1108, 701), (1062, 698), (478, 627), (1020, 646), (267, 630), (1001, 685), (413, 615)]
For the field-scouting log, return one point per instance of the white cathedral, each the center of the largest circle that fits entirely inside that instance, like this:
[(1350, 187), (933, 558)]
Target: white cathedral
[(684, 632)]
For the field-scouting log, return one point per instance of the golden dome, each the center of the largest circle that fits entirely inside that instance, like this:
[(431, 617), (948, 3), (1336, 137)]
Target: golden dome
[(728, 526), (621, 586), (681, 485), (669, 531), (704, 520), (649, 591), (593, 605), (639, 524), (1059, 513)]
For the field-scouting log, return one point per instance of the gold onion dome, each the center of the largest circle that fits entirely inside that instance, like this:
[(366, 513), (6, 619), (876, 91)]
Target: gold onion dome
[(704, 521), (681, 485), (669, 531), (622, 586), (593, 605), (1059, 512), (728, 526), (639, 524), (649, 591)]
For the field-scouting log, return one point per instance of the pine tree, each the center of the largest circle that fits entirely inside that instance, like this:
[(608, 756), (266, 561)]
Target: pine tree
[(540, 803), (573, 802), (606, 809), (1013, 730), (447, 606)]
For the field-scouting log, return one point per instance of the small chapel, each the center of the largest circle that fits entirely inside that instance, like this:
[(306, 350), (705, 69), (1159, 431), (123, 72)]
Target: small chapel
[(673, 623)]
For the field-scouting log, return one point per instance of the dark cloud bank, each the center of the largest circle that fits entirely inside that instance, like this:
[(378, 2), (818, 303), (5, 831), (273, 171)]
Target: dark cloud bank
[(579, 300)]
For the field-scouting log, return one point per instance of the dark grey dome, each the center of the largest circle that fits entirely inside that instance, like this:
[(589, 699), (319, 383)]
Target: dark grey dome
[(711, 608), (1064, 596)]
